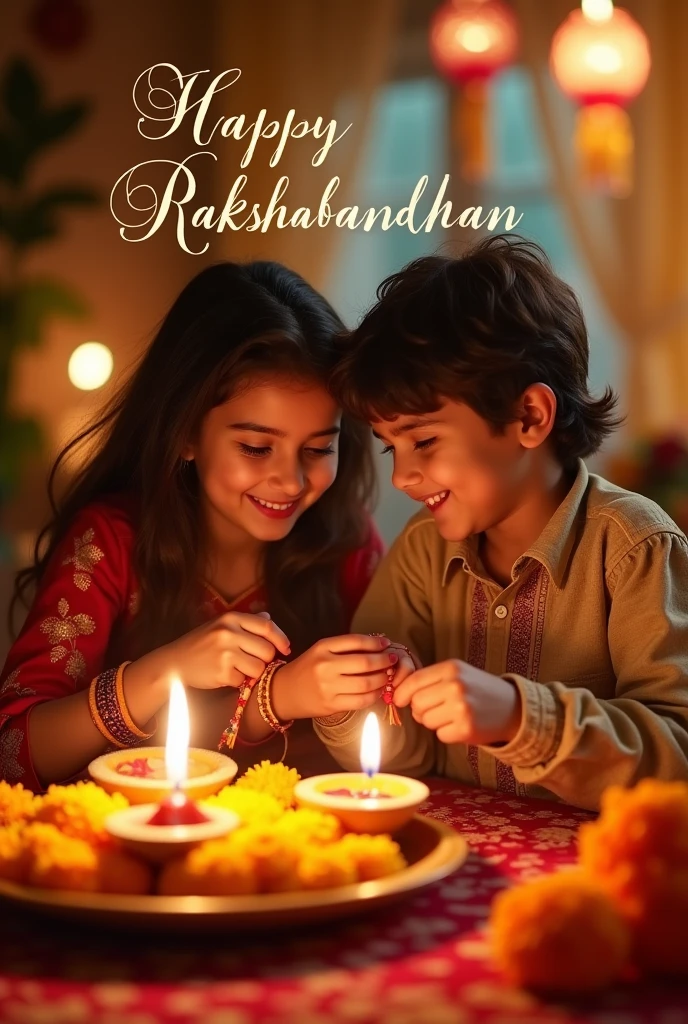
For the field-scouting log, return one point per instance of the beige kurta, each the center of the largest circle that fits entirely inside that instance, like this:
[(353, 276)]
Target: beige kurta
[(593, 629)]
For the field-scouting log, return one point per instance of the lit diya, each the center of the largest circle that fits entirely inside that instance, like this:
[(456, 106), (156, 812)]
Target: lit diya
[(141, 774), (172, 827), (366, 801)]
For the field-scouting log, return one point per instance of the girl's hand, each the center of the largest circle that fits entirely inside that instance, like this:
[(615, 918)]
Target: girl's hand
[(342, 673), (224, 651), (462, 704)]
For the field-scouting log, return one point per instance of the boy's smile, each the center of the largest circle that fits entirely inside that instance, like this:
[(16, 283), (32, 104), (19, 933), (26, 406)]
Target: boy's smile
[(453, 462)]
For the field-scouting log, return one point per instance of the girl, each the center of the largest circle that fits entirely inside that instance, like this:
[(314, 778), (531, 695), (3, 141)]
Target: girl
[(225, 483)]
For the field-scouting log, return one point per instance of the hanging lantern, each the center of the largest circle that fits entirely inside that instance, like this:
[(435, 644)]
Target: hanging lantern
[(600, 57), (470, 40)]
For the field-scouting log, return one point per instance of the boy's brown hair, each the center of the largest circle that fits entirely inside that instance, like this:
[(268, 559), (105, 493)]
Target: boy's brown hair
[(477, 329)]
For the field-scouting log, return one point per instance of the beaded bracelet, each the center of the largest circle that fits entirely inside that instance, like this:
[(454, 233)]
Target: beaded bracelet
[(264, 702), (388, 689), (109, 711)]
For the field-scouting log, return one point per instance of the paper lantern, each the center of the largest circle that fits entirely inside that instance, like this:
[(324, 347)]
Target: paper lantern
[(471, 40), (600, 57)]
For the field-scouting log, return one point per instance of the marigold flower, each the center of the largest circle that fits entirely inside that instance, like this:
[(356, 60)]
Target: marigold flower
[(250, 805), (16, 803), (559, 933), (637, 825), (275, 779), (638, 852), (80, 810), (13, 861)]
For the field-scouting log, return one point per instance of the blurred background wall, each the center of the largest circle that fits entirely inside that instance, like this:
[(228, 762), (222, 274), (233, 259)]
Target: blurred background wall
[(367, 62)]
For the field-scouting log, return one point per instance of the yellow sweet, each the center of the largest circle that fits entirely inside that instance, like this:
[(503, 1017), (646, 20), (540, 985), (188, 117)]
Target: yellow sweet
[(209, 870), (309, 826), (373, 856), (325, 867), (57, 861)]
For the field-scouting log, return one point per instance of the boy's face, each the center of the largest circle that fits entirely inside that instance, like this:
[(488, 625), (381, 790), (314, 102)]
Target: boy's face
[(470, 478)]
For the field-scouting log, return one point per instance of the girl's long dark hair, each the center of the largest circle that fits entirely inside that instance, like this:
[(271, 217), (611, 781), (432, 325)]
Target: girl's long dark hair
[(231, 324)]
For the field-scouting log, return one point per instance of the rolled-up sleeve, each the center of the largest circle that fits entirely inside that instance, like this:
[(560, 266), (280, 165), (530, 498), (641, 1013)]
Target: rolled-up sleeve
[(576, 744)]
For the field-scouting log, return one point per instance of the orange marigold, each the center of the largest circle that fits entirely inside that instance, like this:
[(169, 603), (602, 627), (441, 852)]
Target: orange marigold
[(637, 825), (16, 803), (13, 861), (559, 933), (638, 851), (80, 810)]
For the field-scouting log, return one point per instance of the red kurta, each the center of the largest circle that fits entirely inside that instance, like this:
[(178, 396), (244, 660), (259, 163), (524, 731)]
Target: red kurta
[(86, 598)]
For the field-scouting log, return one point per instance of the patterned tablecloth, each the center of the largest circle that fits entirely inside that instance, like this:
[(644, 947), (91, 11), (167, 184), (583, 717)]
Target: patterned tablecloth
[(423, 961)]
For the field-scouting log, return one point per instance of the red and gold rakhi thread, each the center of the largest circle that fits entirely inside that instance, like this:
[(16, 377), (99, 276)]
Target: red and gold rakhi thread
[(388, 690), (229, 736)]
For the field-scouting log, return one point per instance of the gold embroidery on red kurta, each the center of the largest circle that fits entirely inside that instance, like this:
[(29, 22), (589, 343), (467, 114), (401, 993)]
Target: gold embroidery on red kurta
[(85, 558), (12, 683), (10, 745), (62, 632)]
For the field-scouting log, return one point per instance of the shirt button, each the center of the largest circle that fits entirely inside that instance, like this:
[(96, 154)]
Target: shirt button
[(501, 611)]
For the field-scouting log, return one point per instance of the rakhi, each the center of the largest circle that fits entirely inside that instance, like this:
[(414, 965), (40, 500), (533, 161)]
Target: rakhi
[(230, 734), (388, 689)]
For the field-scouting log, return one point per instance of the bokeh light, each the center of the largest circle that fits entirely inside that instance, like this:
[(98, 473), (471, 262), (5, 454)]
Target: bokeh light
[(90, 366)]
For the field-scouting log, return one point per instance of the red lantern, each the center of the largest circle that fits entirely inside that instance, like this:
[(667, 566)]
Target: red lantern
[(600, 57), (471, 40)]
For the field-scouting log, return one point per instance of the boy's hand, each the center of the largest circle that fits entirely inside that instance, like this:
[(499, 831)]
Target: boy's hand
[(462, 704)]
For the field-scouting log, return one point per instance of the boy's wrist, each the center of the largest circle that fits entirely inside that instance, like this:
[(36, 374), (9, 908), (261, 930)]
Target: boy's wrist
[(515, 718)]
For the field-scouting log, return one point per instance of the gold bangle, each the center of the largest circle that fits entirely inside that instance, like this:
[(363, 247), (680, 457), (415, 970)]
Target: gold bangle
[(129, 721), (265, 704), (96, 718)]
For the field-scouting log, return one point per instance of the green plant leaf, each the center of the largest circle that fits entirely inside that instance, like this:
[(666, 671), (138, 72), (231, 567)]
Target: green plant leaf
[(35, 301), (22, 91), (67, 195), (12, 159), (19, 437), (53, 125), (27, 225), (36, 220)]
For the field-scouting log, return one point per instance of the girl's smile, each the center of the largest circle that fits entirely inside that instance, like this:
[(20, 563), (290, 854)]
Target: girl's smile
[(263, 457), (273, 509)]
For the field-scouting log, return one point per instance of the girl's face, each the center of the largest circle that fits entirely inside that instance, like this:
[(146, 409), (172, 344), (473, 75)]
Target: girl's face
[(265, 456)]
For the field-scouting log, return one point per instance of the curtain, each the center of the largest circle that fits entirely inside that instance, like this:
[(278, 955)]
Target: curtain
[(635, 248), (323, 60)]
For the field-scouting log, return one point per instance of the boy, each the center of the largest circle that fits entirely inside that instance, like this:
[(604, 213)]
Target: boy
[(548, 607)]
